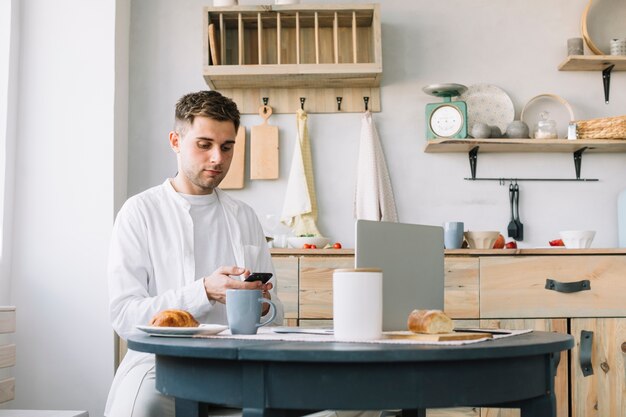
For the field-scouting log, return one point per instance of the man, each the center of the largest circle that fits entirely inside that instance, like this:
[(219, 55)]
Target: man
[(181, 245)]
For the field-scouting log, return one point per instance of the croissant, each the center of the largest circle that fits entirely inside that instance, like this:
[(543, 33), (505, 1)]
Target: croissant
[(174, 318)]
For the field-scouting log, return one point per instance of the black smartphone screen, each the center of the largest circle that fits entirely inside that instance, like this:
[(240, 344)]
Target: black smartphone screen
[(259, 276)]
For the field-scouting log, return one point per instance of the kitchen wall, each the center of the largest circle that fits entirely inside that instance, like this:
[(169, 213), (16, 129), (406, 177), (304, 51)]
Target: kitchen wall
[(516, 45), (66, 151), (67, 142)]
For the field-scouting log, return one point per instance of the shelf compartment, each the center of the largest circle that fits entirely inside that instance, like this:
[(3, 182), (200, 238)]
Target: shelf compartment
[(525, 145), (593, 63), (271, 48)]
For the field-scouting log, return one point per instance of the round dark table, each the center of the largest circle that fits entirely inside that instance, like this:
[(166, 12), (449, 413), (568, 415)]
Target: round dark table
[(270, 378)]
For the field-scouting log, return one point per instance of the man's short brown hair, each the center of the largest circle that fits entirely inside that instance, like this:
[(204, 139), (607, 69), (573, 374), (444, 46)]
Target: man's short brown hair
[(209, 104)]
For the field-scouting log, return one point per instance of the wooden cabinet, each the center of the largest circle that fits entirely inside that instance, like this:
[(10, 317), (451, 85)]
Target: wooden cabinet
[(599, 392), (284, 52), (508, 289), (516, 286)]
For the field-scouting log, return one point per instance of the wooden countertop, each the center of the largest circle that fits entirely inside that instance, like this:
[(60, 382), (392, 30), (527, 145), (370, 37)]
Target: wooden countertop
[(465, 252)]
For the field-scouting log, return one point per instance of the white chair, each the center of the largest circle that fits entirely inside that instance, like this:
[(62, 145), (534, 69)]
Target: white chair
[(7, 385)]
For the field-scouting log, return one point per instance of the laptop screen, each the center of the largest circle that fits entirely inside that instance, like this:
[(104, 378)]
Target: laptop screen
[(411, 257)]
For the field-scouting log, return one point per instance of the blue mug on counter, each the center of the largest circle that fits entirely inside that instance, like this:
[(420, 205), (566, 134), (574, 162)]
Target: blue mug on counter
[(453, 235)]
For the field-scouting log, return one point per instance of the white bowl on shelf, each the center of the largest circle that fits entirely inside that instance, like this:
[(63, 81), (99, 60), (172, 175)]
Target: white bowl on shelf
[(299, 242), (481, 240), (577, 239)]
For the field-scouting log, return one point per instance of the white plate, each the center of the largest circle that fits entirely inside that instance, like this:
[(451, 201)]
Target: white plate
[(207, 329), (489, 104)]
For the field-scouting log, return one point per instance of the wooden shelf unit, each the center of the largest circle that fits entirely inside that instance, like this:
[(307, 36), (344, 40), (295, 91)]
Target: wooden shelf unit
[(593, 63), (525, 145), (285, 52)]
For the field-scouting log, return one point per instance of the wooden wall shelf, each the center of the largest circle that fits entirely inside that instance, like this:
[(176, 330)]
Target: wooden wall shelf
[(525, 145), (593, 63), (285, 52)]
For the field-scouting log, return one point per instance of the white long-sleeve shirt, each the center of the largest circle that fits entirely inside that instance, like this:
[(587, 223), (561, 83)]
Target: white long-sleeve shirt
[(152, 263)]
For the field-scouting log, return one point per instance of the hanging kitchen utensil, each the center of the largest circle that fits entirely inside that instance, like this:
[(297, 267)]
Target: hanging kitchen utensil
[(235, 177), (520, 226), (264, 156), (512, 227)]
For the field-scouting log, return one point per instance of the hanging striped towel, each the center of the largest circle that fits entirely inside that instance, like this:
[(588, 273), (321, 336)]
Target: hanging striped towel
[(300, 206), (373, 198)]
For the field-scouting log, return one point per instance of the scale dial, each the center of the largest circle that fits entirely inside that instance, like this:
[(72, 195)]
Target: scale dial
[(446, 121)]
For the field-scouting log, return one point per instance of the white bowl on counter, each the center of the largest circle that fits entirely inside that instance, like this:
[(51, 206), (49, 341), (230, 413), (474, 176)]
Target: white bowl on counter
[(481, 240), (577, 239), (299, 242)]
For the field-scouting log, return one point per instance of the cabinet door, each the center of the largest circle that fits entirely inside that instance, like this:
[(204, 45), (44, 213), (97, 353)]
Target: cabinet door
[(600, 394), (515, 286), (316, 284), (561, 380), (286, 268), (461, 287)]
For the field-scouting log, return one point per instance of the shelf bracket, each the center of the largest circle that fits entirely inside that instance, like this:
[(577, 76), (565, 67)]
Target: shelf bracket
[(606, 81), (578, 160), (473, 160)]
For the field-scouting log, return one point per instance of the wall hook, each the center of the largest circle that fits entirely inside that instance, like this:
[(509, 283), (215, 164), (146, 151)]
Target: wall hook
[(339, 103), (366, 101), (265, 101), (302, 100)]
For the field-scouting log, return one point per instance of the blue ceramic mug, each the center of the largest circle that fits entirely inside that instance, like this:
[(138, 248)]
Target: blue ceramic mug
[(453, 235), (243, 309)]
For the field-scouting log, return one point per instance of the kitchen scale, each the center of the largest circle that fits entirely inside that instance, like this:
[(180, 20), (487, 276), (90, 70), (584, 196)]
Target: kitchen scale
[(447, 119)]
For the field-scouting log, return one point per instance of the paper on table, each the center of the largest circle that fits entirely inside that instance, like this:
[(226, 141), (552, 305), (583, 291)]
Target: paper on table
[(268, 334)]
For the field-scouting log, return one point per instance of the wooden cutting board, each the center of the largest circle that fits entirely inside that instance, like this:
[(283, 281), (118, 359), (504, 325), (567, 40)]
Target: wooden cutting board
[(440, 337), (264, 155), (215, 60), (235, 177)]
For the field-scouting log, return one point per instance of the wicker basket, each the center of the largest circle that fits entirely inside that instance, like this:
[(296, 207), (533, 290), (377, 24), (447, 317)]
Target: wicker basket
[(602, 128)]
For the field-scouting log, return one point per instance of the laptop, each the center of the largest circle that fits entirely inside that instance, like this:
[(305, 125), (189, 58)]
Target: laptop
[(411, 257)]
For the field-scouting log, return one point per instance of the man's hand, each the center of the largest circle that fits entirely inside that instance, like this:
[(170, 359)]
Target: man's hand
[(266, 294), (216, 284)]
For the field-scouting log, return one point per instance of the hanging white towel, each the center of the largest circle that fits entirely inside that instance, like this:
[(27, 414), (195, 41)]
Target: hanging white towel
[(373, 198), (300, 206)]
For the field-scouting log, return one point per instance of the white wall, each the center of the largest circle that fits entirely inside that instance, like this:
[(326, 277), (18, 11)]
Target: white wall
[(516, 45), (64, 203), (9, 13)]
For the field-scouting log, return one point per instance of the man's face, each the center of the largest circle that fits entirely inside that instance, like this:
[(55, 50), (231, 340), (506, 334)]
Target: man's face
[(205, 152)]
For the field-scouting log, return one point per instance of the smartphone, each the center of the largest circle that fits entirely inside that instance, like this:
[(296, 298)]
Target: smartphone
[(259, 276)]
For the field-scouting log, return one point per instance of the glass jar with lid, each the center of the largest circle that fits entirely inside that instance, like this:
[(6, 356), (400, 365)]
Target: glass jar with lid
[(545, 128)]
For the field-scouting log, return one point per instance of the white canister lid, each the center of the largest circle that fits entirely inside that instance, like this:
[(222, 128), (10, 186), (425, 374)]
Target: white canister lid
[(359, 270)]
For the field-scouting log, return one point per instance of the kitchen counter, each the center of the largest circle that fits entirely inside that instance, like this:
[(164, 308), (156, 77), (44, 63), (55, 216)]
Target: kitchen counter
[(506, 288), (467, 252)]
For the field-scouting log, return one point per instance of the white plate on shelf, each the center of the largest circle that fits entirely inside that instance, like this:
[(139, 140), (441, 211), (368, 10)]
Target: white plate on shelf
[(203, 329), (489, 104)]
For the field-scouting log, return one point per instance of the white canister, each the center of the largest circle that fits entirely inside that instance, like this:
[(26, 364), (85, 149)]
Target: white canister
[(223, 3), (286, 1), (358, 304), (618, 46)]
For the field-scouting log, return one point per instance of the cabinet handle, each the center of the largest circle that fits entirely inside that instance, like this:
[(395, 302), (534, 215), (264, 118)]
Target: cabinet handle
[(586, 347), (568, 287)]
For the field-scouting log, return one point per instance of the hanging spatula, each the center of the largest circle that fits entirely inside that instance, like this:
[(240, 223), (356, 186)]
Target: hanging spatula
[(512, 227), (520, 226)]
